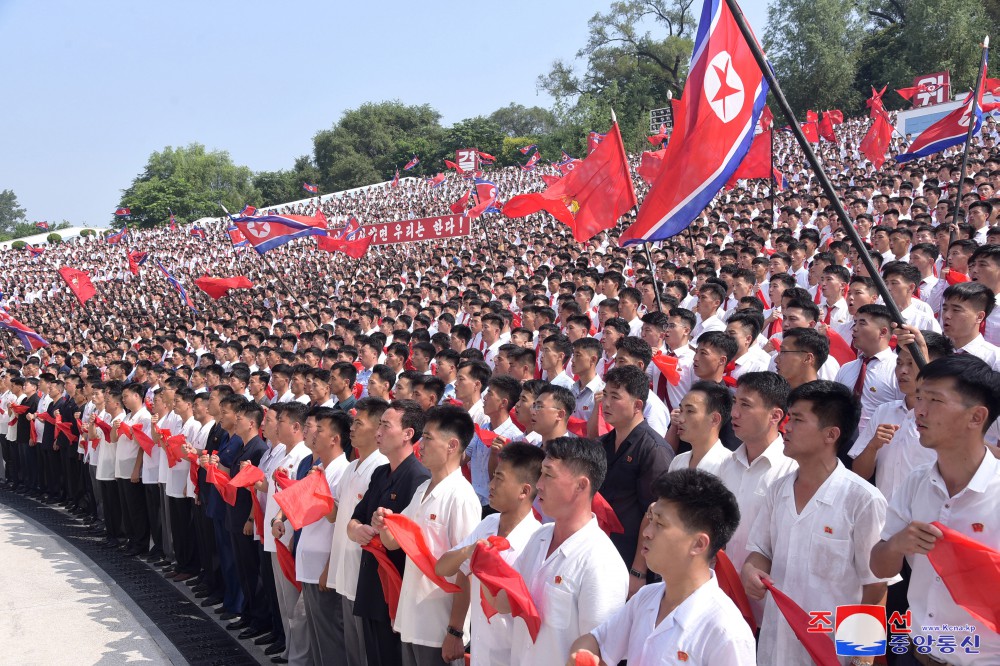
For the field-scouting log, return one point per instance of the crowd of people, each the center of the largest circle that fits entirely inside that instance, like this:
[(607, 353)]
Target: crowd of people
[(608, 420)]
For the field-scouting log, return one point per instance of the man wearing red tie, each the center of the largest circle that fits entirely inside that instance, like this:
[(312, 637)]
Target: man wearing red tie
[(872, 376)]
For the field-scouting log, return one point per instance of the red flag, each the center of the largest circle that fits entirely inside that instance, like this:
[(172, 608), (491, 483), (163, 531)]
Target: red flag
[(874, 103), (826, 128), (549, 180), (659, 137), (217, 287), (954, 277), (485, 156), (388, 575), (452, 165), (819, 647), (811, 131), (839, 348), (766, 118), (971, 572), (606, 516), (729, 581), (591, 197), (650, 165), (811, 116), (757, 163), (79, 283), (667, 365), (876, 141), (495, 574), (409, 537), (355, 249), (220, 480), (307, 500), (463, 202), (836, 116), (287, 563)]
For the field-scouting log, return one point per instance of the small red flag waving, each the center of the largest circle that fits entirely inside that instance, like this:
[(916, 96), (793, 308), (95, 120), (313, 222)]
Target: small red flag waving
[(79, 283), (971, 572), (409, 537), (495, 574), (217, 287), (876, 142), (650, 164), (591, 197), (306, 500)]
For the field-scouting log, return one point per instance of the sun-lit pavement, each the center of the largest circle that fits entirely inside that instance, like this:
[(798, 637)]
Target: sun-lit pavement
[(55, 609)]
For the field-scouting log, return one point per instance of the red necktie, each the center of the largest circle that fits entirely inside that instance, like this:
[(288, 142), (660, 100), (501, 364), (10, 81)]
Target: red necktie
[(826, 319), (661, 386), (859, 385)]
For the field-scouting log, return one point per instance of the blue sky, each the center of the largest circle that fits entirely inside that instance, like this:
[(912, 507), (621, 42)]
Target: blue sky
[(92, 88)]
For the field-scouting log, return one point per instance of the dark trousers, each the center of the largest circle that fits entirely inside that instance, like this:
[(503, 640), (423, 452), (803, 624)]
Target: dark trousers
[(70, 473), (152, 493), (208, 556), (9, 459), (29, 470), (114, 524), (232, 599), (182, 531), (255, 609), (52, 470), (92, 491), (270, 591), (382, 644), (133, 501)]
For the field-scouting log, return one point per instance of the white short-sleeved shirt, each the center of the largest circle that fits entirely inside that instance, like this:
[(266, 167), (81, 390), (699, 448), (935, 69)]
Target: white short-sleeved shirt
[(897, 459), (178, 477), (345, 555), (312, 551), (831, 540), (128, 450), (880, 382), (710, 463), (924, 497), (446, 514), (491, 638), (290, 463), (173, 423), (984, 350), (755, 360), (105, 452), (706, 629), (576, 588)]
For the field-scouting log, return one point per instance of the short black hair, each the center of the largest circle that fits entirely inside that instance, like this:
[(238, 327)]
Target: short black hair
[(754, 321), (703, 503), (525, 459), (374, 407), (411, 416), (833, 404), (341, 422), (812, 341), (637, 348), (453, 420), (507, 388), (582, 456), (632, 379), (976, 294), (561, 395), (718, 398), (772, 388), (721, 342), (975, 381)]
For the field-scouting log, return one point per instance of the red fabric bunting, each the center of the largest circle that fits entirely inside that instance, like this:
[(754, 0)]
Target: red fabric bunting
[(409, 537), (729, 580), (495, 574), (971, 572), (388, 575), (819, 646), (306, 501)]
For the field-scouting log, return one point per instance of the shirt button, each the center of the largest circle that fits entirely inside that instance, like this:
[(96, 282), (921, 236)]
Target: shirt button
[(947, 506)]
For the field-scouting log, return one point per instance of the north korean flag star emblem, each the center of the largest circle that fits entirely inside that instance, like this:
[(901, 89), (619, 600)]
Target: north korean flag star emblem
[(723, 87)]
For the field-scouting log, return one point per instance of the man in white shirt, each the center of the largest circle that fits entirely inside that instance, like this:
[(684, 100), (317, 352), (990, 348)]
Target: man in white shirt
[(984, 268), (586, 353), (501, 396), (434, 625), (744, 327), (128, 470), (686, 617), (966, 306), (957, 399), (833, 285), (710, 298), (555, 354), (511, 493), (180, 492), (472, 379), (698, 421), (871, 377), (324, 609), (816, 525), (345, 554), (571, 568), (902, 279), (758, 463)]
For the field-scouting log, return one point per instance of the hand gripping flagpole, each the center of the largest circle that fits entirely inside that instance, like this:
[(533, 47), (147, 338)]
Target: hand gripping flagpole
[(820, 174), (959, 208), (277, 276)]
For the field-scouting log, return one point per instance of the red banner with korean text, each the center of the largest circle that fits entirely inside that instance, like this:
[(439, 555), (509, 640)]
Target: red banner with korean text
[(421, 229)]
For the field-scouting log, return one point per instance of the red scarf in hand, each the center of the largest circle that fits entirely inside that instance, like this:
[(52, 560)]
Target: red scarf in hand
[(729, 581), (286, 561), (220, 480), (306, 501), (971, 572), (144, 441), (246, 478), (388, 575), (409, 537), (495, 574), (819, 647), (667, 365)]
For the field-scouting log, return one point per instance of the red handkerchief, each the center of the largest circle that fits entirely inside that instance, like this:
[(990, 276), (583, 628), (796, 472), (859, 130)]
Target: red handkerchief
[(144, 441), (388, 575), (819, 647), (407, 533), (971, 572), (286, 561), (172, 448), (487, 436), (220, 480), (606, 516), (281, 478), (667, 365), (495, 574), (307, 501), (729, 581)]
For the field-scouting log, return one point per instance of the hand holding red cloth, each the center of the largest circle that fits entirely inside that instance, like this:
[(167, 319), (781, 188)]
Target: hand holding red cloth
[(667, 365), (606, 516), (103, 427), (172, 447), (486, 436), (971, 572), (281, 478), (819, 647), (409, 537), (246, 478), (306, 501), (729, 580), (495, 574), (388, 575), (144, 441), (220, 480)]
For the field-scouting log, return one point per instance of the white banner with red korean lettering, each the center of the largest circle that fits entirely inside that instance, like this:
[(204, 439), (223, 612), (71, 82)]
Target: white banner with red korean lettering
[(422, 229)]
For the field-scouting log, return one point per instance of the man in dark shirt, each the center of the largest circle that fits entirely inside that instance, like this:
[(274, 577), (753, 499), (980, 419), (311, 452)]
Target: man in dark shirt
[(637, 457), (49, 454), (28, 449), (255, 619), (392, 486), (72, 471)]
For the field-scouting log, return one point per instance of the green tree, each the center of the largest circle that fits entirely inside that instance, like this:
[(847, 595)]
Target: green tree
[(518, 120), (54, 239), (481, 133), (812, 45), (11, 213), (368, 143), (189, 181)]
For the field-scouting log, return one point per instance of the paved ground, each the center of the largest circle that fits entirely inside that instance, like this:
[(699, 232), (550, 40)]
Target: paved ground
[(57, 609)]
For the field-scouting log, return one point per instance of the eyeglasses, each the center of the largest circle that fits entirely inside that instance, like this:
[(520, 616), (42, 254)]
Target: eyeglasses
[(537, 407)]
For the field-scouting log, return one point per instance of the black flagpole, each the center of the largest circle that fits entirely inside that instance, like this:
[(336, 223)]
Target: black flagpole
[(959, 208), (772, 179), (820, 174)]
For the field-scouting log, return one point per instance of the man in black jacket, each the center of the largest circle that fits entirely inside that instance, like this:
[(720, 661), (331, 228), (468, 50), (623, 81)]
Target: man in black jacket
[(27, 444)]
